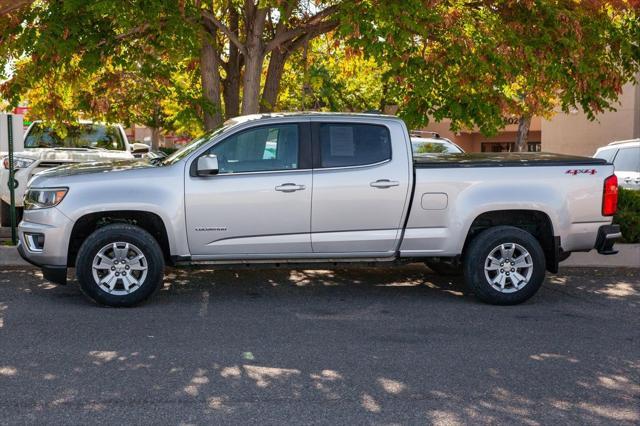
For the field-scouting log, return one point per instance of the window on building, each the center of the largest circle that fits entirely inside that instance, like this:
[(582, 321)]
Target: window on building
[(508, 147)]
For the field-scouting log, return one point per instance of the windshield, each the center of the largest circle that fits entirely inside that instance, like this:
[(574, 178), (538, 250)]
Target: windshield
[(97, 136), (196, 143), (434, 147)]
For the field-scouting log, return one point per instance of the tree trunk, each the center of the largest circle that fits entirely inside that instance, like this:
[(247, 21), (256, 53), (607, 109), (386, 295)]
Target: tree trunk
[(523, 133), (210, 78), (231, 84), (155, 138), (253, 58), (272, 82)]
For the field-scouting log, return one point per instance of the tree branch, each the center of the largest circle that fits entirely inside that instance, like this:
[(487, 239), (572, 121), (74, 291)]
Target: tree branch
[(225, 30), (308, 26)]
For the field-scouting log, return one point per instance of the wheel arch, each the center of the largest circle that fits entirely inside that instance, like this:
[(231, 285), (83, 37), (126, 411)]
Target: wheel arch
[(536, 222), (87, 224)]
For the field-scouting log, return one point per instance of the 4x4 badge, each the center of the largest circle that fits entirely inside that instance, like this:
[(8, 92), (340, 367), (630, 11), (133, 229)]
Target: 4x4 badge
[(581, 171)]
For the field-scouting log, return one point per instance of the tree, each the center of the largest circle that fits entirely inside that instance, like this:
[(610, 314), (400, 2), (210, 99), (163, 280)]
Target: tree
[(231, 41), (478, 62), (332, 77)]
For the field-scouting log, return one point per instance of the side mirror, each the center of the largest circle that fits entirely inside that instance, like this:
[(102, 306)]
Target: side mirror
[(208, 165), (140, 148)]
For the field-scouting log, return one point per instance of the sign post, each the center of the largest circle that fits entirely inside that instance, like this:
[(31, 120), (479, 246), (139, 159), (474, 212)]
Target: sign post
[(11, 182), (11, 141)]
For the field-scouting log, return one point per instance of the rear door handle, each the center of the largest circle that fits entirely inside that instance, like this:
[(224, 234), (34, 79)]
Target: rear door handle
[(290, 187), (384, 183)]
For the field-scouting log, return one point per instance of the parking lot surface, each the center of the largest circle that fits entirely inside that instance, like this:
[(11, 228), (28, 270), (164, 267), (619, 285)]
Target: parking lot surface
[(346, 346)]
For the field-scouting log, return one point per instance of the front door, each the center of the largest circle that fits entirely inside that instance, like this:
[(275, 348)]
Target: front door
[(360, 188), (259, 204)]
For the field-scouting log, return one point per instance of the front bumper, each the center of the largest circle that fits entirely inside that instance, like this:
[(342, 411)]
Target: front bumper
[(56, 229), (607, 237)]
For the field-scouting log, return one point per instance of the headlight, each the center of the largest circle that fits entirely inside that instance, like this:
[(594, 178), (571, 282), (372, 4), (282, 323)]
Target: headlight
[(18, 162), (43, 198)]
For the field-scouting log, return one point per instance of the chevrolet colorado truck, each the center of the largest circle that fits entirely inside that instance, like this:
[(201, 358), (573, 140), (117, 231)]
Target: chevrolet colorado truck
[(45, 147), (314, 188)]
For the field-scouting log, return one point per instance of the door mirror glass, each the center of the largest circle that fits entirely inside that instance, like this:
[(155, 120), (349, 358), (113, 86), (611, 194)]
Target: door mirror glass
[(208, 165), (140, 148)]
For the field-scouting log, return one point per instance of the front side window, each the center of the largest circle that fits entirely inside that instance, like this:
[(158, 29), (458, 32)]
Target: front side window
[(266, 148), (343, 145), (627, 160)]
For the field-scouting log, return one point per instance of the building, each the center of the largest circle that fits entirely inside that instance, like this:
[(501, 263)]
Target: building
[(570, 133)]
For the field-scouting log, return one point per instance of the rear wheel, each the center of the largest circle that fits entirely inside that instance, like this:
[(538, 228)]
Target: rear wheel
[(120, 265), (504, 265)]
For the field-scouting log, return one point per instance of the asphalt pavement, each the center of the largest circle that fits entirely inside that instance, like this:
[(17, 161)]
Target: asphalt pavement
[(349, 346)]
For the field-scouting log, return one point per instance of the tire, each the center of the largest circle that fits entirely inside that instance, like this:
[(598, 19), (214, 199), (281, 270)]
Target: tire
[(137, 277), (449, 268), (504, 243)]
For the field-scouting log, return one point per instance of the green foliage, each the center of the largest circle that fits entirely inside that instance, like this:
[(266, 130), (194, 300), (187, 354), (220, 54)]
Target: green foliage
[(474, 62), (479, 62), (333, 78), (628, 215)]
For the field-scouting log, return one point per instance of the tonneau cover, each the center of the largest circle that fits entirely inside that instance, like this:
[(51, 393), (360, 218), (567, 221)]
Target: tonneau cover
[(506, 159)]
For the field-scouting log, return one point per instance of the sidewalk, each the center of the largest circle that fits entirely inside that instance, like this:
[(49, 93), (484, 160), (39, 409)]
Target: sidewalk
[(629, 256)]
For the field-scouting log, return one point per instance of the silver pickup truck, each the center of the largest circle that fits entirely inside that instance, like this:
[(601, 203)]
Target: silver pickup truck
[(317, 189)]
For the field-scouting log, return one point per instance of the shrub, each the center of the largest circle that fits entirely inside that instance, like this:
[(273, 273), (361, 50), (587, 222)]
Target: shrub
[(628, 216)]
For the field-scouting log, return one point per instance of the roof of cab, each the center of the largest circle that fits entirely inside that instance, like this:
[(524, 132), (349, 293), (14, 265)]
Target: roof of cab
[(251, 117)]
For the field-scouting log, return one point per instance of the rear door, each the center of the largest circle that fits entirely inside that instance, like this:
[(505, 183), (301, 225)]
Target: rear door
[(361, 183), (259, 204)]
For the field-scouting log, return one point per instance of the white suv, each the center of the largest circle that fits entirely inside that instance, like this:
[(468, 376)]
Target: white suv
[(625, 156), (45, 148)]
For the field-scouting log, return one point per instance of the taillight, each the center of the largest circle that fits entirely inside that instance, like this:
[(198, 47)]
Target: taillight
[(610, 196)]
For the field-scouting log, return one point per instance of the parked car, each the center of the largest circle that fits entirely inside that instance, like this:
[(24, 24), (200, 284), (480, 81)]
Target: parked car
[(289, 189), (432, 143), (625, 156), (45, 147)]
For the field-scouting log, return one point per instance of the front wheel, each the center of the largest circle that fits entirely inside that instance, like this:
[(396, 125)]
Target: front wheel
[(120, 265), (504, 265)]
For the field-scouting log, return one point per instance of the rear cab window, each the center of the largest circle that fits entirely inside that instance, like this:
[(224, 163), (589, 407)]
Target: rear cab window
[(348, 145)]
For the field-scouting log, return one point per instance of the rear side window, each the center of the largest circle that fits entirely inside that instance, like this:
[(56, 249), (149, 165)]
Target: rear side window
[(343, 145), (628, 160), (607, 154)]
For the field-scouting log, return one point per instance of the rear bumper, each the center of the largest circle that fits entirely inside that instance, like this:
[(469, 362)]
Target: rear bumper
[(607, 237)]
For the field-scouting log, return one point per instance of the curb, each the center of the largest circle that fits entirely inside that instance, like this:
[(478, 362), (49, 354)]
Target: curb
[(628, 257), (9, 257)]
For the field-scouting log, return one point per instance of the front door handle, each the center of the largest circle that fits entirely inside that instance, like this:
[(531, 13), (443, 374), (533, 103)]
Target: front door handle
[(384, 183), (290, 187)]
